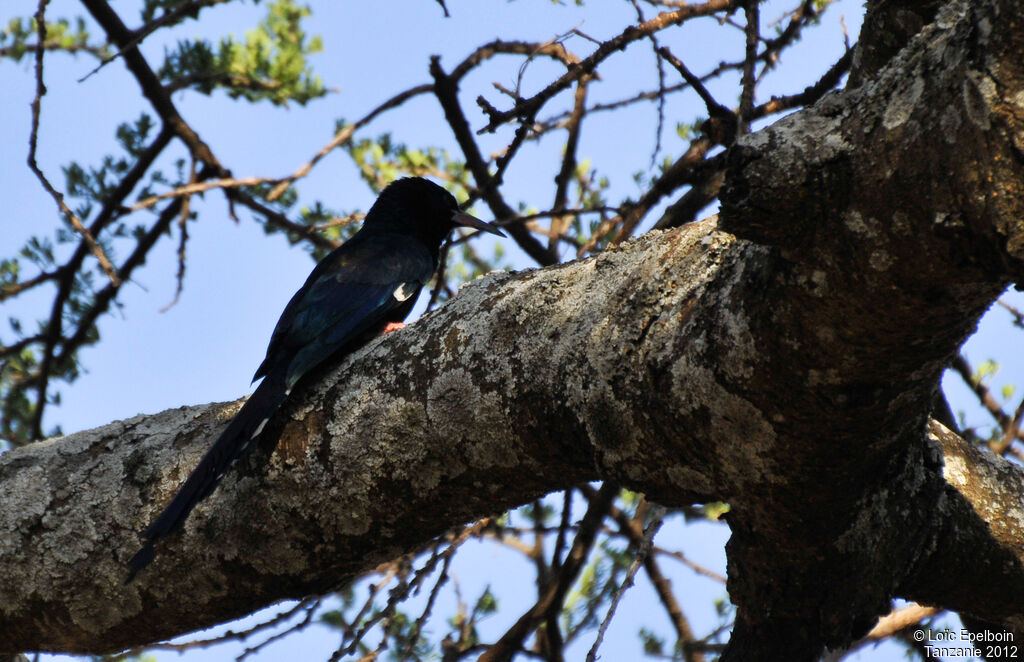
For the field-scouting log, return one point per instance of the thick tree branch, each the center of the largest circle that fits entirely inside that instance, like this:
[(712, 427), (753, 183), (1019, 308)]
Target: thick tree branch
[(392, 448)]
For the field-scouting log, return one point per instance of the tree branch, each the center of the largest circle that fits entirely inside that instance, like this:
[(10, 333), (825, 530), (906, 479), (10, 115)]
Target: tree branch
[(124, 38), (530, 107), (439, 420)]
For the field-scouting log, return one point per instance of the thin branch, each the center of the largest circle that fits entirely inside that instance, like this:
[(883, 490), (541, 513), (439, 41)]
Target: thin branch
[(684, 210), (13, 289), (503, 161), (64, 275), (512, 641), (54, 327), (1010, 432), (421, 621), (104, 297), (690, 167), (559, 224), (655, 45), (186, 207), (199, 187), (529, 107), (642, 553), (699, 569), (1018, 316), (715, 109), (553, 49), (17, 51), (152, 89), (440, 278), (810, 94), (279, 220), (985, 396), (563, 529), (310, 605), (446, 90), (753, 31), (72, 218), (631, 528), (169, 17), (344, 135), (404, 589)]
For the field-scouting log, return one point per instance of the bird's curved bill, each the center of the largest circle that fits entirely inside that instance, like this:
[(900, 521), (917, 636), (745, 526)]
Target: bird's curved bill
[(470, 221)]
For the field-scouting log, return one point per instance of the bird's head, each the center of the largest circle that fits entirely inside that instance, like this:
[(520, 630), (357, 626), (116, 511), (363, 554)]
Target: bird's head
[(420, 207)]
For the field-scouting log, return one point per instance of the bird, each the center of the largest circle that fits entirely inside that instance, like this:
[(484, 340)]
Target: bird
[(363, 288)]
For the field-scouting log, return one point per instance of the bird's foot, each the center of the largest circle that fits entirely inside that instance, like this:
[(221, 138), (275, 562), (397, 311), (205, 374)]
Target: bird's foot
[(392, 326)]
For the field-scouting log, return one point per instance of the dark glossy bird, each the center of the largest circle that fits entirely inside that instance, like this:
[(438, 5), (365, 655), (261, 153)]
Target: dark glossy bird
[(368, 283)]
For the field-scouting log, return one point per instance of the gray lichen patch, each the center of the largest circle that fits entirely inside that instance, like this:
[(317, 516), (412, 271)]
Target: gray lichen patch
[(28, 499), (903, 103), (990, 483), (733, 435), (976, 93)]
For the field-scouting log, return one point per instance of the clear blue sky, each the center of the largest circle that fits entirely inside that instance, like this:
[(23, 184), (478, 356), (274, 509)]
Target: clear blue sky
[(206, 347)]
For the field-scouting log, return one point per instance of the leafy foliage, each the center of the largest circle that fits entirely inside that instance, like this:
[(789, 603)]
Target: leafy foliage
[(17, 39), (269, 65)]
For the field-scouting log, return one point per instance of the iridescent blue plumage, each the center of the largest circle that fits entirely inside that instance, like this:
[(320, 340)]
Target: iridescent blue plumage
[(372, 280)]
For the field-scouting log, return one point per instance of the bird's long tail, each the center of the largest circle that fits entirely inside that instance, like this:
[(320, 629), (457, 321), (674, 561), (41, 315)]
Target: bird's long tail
[(237, 440)]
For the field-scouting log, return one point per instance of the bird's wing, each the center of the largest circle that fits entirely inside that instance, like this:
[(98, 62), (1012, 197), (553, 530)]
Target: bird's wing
[(354, 290)]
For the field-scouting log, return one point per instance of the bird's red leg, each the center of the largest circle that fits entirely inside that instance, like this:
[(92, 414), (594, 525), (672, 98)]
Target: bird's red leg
[(392, 326)]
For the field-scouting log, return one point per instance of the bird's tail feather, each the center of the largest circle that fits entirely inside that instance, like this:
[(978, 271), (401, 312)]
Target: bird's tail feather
[(237, 440)]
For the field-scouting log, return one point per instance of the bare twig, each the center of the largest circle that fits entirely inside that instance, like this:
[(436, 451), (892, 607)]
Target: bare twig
[(186, 207), (72, 218), (1018, 316), (198, 187), (811, 93), (697, 568), (421, 621), (279, 220), (715, 109), (152, 89), (985, 396), (559, 224), (642, 552), (446, 88), (688, 168), (552, 600), (440, 275), (753, 33), (1010, 432), (168, 17), (345, 135), (404, 588), (529, 107), (553, 49)]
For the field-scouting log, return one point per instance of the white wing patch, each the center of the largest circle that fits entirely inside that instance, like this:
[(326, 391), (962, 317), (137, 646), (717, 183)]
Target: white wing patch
[(259, 428), (404, 291)]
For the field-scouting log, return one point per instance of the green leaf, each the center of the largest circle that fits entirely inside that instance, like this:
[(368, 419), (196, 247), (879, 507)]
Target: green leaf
[(986, 370)]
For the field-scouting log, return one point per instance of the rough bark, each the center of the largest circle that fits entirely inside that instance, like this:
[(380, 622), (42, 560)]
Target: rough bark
[(784, 359), (912, 227)]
